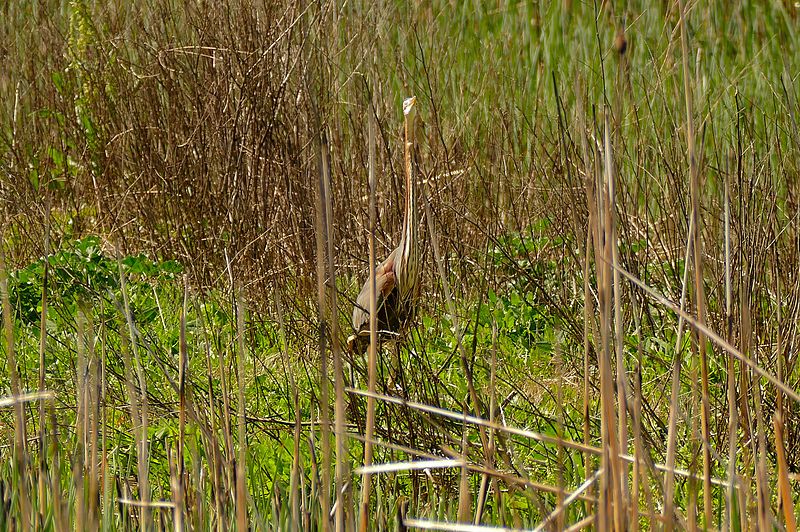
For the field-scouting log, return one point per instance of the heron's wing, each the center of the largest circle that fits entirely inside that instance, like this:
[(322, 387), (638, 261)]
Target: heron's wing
[(385, 283)]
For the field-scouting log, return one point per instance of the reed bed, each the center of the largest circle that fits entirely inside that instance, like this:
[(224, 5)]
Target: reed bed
[(192, 196)]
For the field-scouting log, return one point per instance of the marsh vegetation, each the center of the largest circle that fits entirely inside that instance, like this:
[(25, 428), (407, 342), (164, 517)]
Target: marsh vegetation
[(607, 334)]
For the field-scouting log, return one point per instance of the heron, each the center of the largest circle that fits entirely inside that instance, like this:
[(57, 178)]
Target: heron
[(397, 277)]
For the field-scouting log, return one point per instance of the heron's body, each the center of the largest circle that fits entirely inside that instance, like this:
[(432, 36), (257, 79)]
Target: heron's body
[(397, 277), (390, 315)]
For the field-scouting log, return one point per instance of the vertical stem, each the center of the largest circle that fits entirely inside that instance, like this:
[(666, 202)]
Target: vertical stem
[(342, 457), (618, 332), (674, 413), (588, 302), (733, 412), (373, 324), (698, 271), (215, 460), (93, 413), (614, 499), (104, 470), (42, 361), (784, 488), (20, 451), (138, 405), (180, 496), (464, 496), (641, 479), (79, 459), (241, 464), (325, 427), (485, 478)]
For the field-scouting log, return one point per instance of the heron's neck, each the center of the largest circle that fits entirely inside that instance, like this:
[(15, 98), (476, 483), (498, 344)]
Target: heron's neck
[(409, 241)]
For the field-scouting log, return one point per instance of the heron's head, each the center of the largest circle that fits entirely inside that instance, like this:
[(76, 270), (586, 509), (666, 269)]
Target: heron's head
[(408, 106)]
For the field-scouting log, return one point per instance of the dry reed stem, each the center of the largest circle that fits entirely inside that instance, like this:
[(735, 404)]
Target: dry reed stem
[(104, 470), (42, 396), (784, 487), (672, 434), (179, 488), (544, 438), (611, 487), (424, 524), (485, 478), (733, 421), (583, 524), (588, 301), (79, 458), (640, 477), (169, 505), (510, 480), (464, 495), (94, 422), (619, 334), (595, 200), (779, 341), (138, 404), (457, 458), (698, 268), (412, 465), (763, 496), (315, 475), (343, 481), (211, 431), (557, 364), (241, 466), (325, 427), (746, 395), (20, 438), (60, 516), (226, 374), (175, 486), (42, 366), (373, 323)]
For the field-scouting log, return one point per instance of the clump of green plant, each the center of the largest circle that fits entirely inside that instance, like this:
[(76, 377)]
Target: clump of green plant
[(81, 270)]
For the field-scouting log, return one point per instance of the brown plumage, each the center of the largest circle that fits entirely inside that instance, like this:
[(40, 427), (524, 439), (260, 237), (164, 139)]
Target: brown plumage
[(397, 277)]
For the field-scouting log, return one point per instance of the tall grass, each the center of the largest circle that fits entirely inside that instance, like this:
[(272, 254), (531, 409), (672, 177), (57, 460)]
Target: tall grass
[(191, 198)]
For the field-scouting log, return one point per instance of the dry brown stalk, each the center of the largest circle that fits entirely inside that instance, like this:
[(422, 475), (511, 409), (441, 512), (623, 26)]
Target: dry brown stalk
[(588, 300), (373, 322), (42, 367), (241, 464), (343, 480), (320, 232), (612, 506), (733, 412), (700, 302), (179, 487), (138, 404), (784, 487), (20, 439)]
